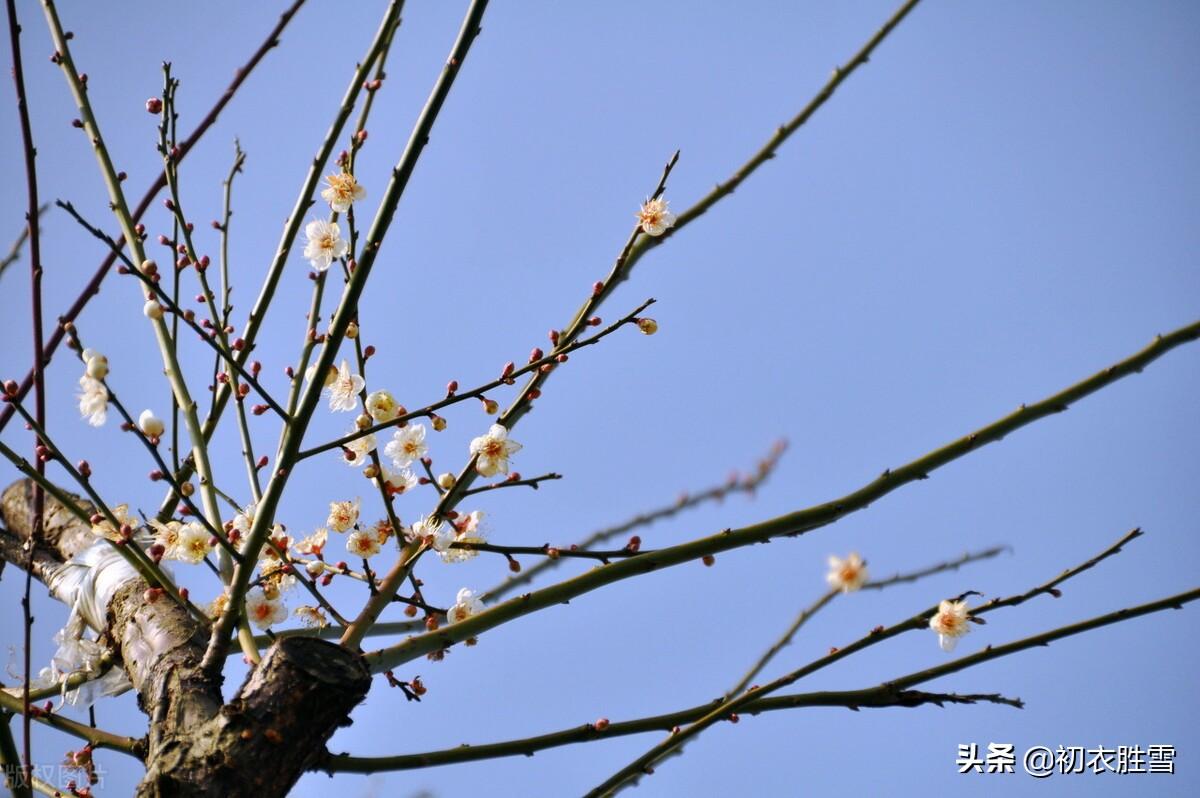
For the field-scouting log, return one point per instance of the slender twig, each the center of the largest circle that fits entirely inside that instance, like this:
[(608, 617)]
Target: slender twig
[(72, 680), (120, 209), (163, 469), (546, 550), (795, 523), (173, 307), (97, 737), (129, 549), (942, 567), (303, 201), (735, 484), (532, 482), (16, 775), (32, 228), (891, 693), (532, 366), (92, 287), (14, 252), (873, 698), (806, 614), (294, 434), (767, 152), (733, 704)]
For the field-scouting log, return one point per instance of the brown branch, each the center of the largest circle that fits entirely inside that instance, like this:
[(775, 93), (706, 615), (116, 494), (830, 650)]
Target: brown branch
[(14, 252), (717, 493), (92, 287)]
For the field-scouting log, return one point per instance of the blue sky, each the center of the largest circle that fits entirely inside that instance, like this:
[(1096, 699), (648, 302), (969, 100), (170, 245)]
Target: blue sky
[(1001, 203)]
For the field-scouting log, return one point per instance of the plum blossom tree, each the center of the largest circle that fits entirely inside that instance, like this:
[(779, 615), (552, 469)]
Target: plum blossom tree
[(321, 618)]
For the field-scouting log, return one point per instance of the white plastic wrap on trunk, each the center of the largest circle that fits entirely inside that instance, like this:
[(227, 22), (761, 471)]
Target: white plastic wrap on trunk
[(86, 584)]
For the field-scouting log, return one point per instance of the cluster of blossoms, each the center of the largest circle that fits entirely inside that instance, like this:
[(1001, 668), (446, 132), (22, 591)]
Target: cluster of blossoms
[(187, 542), (325, 242), (93, 396)]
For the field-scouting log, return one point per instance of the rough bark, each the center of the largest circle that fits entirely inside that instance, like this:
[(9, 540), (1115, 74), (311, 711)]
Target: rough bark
[(259, 743)]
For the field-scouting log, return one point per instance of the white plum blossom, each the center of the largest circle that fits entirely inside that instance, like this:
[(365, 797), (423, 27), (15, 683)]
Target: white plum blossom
[(330, 375), (382, 531), (399, 481), (407, 445), (314, 544), (276, 577), (362, 544), (325, 244), (343, 190), (343, 391), (432, 530), (150, 424), (263, 611), (358, 451), (493, 450), (654, 217), (382, 406), (167, 535), (466, 531), (93, 401), (465, 605), (243, 521), (311, 616), (343, 515), (123, 517), (192, 544), (219, 604), (951, 622), (846, 575)]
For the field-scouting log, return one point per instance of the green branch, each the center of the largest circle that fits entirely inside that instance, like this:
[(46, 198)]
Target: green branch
[(786, 525)]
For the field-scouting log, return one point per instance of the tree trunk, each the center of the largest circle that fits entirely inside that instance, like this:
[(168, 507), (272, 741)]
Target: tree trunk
[(259, 743)]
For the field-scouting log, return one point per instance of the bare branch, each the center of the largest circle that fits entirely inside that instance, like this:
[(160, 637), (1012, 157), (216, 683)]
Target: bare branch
[(796, 523)]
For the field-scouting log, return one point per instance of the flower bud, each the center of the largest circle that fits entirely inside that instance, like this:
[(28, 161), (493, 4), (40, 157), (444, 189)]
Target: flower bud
[(381, 405), (187, 489), (438, 422), (154, 105), (447, 481), (153, 310), (352, 330), (490, 407), (97, 367), (150, 424), (647, 326), (149, 267)]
